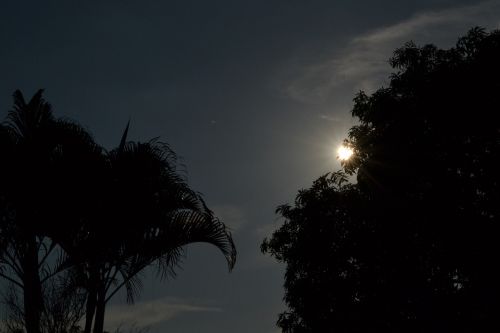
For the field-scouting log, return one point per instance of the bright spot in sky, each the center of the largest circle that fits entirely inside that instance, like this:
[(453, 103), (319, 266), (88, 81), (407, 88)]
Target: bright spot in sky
[(344, 153)]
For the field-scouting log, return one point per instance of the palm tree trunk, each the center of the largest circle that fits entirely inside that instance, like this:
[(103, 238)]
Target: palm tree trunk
[(90, 309), (33, 301), (93, 282), (100, 308)]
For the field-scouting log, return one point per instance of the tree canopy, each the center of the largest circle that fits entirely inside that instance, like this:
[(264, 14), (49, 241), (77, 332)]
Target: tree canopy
[(412, 245)]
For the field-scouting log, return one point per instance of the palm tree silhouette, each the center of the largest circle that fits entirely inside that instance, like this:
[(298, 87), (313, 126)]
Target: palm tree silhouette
[(112, 213), (148, 214), (32, 140)]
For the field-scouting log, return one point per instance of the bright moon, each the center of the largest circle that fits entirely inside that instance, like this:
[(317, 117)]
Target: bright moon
[(344, 153)]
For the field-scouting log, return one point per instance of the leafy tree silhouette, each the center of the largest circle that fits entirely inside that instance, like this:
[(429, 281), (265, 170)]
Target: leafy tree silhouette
[(415, 250), (318, 242)]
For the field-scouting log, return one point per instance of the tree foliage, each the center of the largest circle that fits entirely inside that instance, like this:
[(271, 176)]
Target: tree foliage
[(420, 248), (319, 245)]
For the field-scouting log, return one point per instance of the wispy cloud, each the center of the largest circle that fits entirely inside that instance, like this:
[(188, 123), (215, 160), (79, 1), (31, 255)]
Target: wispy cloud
[(147, 313), (362, 63), (335, 119)]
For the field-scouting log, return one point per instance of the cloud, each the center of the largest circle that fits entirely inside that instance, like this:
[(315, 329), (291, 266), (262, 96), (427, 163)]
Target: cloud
[(147, 313), (335, 119), (362, 63)]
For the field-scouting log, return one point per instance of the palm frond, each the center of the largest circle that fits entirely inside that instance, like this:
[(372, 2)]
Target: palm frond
[(133, 285), (185, 227), (123, 140), (169, 262), (25, 119)]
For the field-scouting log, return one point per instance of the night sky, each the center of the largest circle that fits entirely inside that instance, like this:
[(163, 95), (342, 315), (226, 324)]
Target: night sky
[(254, 96)]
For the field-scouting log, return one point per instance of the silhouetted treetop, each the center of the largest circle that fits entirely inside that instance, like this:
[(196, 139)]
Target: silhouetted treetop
[(412, 246), (102, 216)]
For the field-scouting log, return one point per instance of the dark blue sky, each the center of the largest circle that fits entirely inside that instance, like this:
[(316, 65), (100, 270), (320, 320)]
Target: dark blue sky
[(254, 95)]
